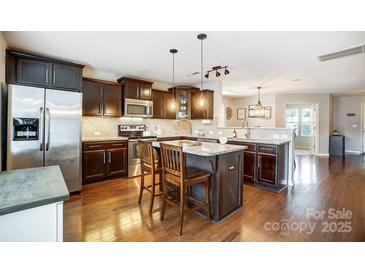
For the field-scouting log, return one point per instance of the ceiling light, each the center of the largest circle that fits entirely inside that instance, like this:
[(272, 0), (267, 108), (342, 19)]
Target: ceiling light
[(226, 71), (201, 37), (206, 75), (173, 103), (217, 74), (258, 109)]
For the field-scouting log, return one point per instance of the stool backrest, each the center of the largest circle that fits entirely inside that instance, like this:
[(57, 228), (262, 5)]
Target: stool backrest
[(173, 160), (146, 152)]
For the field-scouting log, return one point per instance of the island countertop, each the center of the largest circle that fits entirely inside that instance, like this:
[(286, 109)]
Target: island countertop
[(32, 187), (205, 149)]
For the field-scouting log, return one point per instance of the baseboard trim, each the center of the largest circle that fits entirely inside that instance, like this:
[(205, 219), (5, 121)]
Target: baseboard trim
[(356, 152), (322, 154)]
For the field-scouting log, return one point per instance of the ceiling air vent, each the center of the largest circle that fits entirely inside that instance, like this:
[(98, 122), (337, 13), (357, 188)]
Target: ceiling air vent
[(342, 53)]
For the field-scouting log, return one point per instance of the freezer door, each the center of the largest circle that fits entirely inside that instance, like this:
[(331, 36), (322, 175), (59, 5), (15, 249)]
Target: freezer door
[(63, 134), (25, 127)]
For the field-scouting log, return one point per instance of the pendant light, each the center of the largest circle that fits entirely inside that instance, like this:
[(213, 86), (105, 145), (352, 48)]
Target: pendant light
[(173, 104), (259, 109), (202, 102)]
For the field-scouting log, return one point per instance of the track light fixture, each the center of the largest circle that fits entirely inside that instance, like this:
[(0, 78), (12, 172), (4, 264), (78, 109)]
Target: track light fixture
[(217, 73)]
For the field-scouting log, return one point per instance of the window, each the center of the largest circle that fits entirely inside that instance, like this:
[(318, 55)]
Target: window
[(306, 128), (292, 118)]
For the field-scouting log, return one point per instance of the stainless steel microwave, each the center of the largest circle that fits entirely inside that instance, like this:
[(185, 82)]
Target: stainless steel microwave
[(138, 108)]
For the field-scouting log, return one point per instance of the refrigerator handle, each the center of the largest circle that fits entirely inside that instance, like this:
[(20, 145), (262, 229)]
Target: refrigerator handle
[(48, 128), (41, 129)]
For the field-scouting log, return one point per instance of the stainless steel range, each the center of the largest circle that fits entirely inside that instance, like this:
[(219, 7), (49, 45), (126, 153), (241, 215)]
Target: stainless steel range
[(134, 132)]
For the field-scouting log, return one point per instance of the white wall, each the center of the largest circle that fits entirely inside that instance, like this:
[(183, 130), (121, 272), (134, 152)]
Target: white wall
[(3, 46), (324, 113), (350, 126)]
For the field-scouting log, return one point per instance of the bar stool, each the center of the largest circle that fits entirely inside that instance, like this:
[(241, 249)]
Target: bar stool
[(175, 172), (150, 164)]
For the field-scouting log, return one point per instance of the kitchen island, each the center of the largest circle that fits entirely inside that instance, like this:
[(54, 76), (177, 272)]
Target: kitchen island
[(225, 162), (31, 204)]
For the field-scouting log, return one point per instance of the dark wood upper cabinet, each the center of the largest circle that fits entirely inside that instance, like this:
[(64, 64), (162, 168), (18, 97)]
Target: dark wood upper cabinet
[(158, 104), (101, 98), (67, 77), (27, 69), (168, 111), (112, 105), (205, 111), (145, 91), (92, 98), (136, 88)]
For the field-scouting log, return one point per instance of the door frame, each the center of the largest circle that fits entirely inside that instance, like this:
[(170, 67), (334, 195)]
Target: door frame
[(362, 128), (315, 105)]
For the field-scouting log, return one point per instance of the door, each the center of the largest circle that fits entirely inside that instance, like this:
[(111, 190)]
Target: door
[(266, 168), (249, 164), (63, 134), (33, 72), (158, 104), (92, 98), (145, 91), (131, 89), (117, 161), (66, 77), (363, 127), (25, 103), (170, 113), (112, 95), (94, 165)]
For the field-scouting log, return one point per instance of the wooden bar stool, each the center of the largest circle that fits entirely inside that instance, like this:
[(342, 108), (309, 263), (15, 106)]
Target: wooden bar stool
[(175, 172), (150, 164)]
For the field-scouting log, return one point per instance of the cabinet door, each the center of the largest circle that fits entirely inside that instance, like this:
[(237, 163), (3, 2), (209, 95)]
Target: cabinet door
[(67, 77), (266, 168), (249, 164), (117, 161), (131, 89), (112, 100), (94, 166), (169, 112), (202, 112), (92, 98), (145, 91), (33, 72), (158, 104)]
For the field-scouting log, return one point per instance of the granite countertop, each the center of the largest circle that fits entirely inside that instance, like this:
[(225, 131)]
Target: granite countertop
[(205, 149), (258, 141), (103, 138), (31, 187)]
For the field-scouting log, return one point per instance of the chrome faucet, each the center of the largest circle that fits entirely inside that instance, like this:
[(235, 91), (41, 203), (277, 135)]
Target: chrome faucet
[(248, 131)]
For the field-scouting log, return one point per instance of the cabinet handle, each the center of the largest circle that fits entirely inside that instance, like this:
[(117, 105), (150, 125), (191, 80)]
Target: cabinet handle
[(94, 146), (258, 161), (54, 77), (117, 145), (46, 76), (110, 157), (104, 156)]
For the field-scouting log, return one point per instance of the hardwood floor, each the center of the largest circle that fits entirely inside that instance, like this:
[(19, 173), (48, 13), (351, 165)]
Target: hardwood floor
[(108, 211)]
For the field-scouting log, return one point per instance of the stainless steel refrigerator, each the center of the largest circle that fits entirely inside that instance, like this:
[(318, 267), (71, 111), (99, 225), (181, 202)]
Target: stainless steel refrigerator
[(44, 129)]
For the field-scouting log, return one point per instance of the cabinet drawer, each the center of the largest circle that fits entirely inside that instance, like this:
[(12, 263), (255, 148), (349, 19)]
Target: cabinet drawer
[(267, 149), (94, 146), (117, 145), (250, 147)]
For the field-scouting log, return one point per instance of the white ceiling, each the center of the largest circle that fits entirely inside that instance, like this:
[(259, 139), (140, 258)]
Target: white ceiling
[(270, 59)]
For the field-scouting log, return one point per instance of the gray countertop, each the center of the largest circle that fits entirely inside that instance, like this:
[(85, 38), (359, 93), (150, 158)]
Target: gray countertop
[(32, 187), (205, 149)]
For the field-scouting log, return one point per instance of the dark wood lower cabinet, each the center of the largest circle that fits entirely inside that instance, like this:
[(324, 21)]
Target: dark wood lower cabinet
[(265, 165), (102, 160)]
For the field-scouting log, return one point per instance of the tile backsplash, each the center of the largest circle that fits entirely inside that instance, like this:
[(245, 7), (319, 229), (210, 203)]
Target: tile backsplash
[(108, 126)]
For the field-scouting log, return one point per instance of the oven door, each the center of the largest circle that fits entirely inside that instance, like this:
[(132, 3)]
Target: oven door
[(133, 152), (138, 108)]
